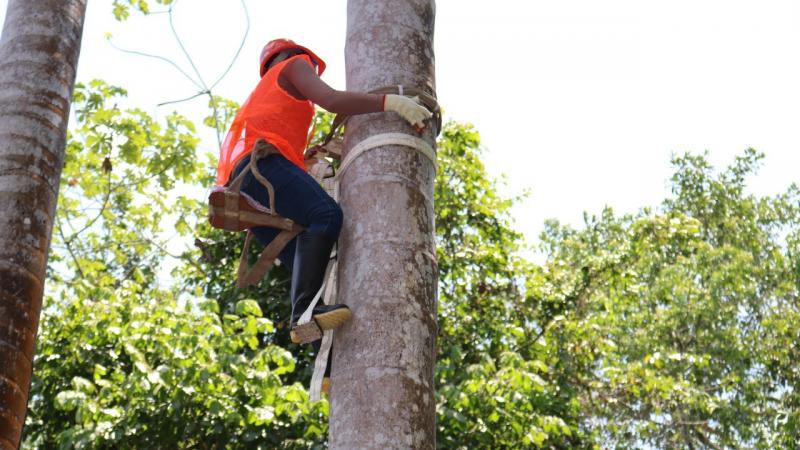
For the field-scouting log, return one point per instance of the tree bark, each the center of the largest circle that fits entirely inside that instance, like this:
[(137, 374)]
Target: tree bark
[(382, 393), (38, 58)]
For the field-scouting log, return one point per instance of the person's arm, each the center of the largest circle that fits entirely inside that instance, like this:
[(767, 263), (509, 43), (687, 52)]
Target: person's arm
[(305, 80), (303, 77)]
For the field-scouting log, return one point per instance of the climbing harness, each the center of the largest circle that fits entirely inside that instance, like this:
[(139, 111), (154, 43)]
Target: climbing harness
[(233, 210)]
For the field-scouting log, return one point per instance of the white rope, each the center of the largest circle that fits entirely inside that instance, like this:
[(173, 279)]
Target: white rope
[(380, 140), (321, 361), (320, 364)]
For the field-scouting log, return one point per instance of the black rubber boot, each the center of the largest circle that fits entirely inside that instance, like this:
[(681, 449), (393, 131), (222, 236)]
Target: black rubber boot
[(310, 261)]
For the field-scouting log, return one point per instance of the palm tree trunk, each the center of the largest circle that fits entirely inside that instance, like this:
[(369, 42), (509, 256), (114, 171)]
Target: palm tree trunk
[(38, 58), (382, 393)]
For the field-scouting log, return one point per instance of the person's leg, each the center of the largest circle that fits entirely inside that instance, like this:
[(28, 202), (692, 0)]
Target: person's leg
[(299, 197), (279, 178)]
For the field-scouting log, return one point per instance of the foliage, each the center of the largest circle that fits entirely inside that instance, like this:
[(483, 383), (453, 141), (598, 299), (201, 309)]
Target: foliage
[(122, 8), (221, 114), (135, 368), (118, 169), (675, 326), (494, 390)]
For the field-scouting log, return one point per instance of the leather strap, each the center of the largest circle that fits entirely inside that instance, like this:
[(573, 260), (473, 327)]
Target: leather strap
[(248, 275), (261, 150)]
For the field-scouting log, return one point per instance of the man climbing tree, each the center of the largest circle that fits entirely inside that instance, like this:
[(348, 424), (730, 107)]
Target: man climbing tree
[(275, 119), (39, 54)]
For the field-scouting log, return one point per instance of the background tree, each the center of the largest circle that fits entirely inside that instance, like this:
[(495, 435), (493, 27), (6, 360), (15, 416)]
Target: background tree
[(673, 326), (495, 387), (39, 53)]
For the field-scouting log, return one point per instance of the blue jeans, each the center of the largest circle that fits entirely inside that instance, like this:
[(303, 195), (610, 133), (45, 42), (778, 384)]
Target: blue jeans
[(298, 196)]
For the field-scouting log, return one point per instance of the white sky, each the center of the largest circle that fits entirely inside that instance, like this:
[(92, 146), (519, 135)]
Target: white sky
[(581, 101)]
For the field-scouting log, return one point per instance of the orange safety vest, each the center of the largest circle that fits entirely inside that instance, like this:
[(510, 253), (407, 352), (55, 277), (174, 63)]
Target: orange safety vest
[(269, 113)]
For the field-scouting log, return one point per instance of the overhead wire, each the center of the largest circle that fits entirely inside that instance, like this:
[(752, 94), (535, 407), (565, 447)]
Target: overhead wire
[(183, 49), (199, 83), (241, 46), (161, 58)]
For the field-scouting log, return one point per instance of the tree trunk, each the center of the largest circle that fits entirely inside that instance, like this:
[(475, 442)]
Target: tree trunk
[(38, 58), (382, 394)]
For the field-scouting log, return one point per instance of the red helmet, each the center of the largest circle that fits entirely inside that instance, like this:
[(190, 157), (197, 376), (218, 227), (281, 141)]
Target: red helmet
[(276, 46)]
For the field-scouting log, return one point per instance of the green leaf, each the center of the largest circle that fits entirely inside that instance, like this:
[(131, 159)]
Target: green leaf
[(69, 400), (248, 307), (82, 385), (261, 415)]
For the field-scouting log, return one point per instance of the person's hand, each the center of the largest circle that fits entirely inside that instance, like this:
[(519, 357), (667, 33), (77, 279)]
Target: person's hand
[(409, 109)]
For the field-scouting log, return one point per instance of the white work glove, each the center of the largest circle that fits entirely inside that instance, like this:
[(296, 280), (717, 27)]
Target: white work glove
[(408, 108)]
